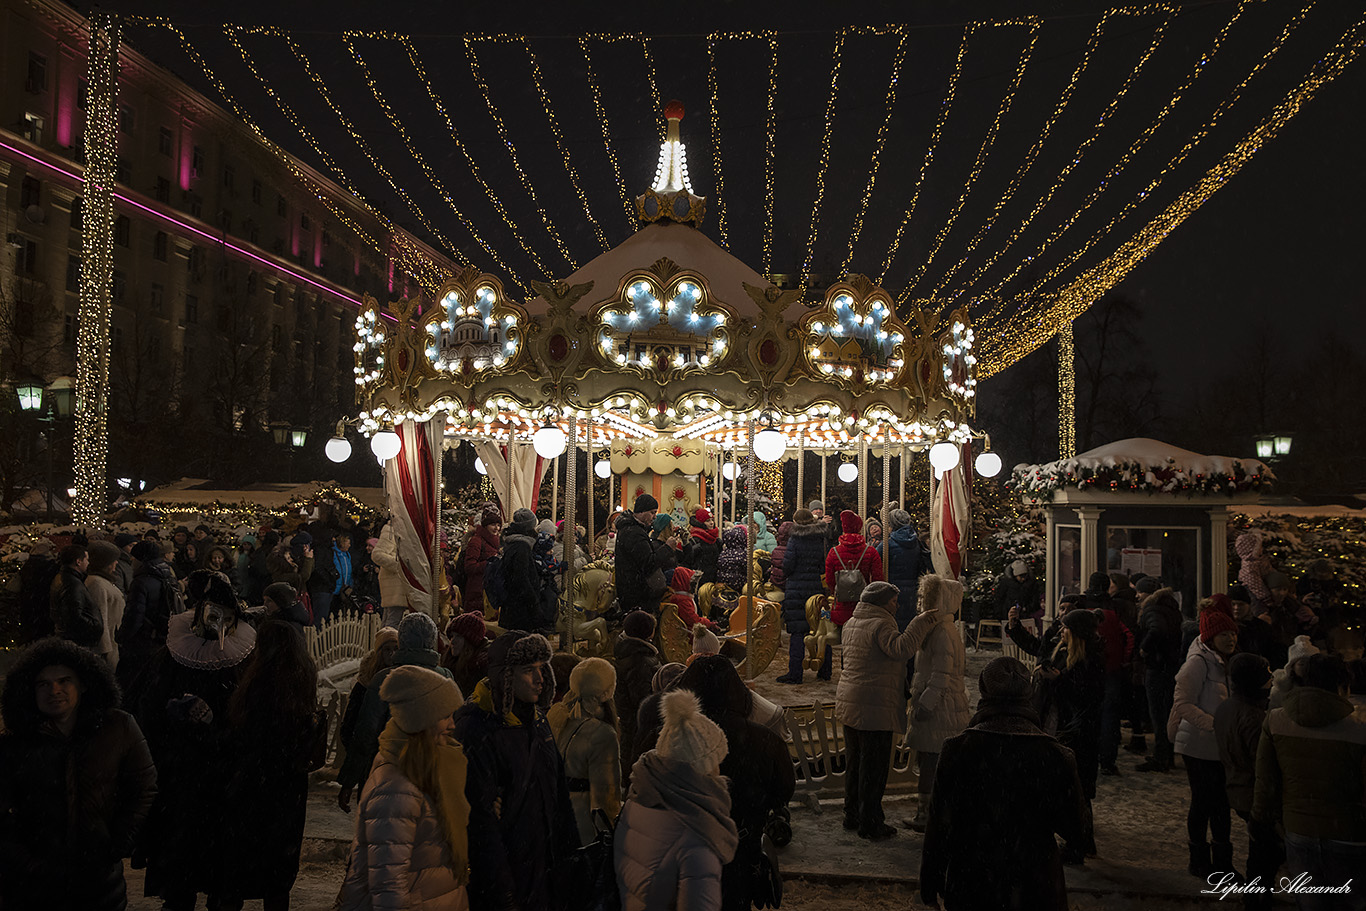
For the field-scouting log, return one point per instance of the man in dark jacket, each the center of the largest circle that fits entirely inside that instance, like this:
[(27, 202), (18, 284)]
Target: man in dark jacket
[(146, 614), (123, 572), (35, 592), (1159, 645), (1238, 729), (76, 782), (522, 593), (1255, 634), (637, 660), (521, 818), (1004, 788), (803, 569), (908, 560), (635, 557), (321, 582), (74, 614), (1017, 586)]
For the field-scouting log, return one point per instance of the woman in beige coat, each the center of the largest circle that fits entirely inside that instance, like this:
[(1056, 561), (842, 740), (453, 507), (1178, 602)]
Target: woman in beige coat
[(411, 849), (870, 701), (585, 727), (939, 699)]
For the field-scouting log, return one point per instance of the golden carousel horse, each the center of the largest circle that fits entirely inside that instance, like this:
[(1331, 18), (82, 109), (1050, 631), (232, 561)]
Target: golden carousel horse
[(823, 631), (761, 644), (593, 591)]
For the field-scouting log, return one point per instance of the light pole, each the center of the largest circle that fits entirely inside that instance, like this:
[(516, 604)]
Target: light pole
[(46, 405), (295, 438)]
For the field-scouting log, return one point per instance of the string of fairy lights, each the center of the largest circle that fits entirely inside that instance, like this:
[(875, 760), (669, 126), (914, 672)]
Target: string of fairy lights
[(1067, 393), (719, 207), (824, 156), (605, 123)]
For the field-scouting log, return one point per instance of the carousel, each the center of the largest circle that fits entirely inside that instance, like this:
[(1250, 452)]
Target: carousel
[(667, 360)]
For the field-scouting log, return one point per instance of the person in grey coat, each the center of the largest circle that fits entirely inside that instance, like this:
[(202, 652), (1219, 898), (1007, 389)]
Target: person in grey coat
[(870, 701)]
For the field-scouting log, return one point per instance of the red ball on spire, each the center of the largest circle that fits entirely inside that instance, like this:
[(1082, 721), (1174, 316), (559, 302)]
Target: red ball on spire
[(673, 110)]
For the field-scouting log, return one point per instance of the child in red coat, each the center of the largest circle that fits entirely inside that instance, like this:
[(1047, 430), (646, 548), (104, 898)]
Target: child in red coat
[(680, 595)]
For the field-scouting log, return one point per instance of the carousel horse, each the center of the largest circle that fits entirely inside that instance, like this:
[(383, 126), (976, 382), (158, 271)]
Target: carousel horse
[(760, 645), (593, 591), (715, 599), (823, 631), (765, 590)]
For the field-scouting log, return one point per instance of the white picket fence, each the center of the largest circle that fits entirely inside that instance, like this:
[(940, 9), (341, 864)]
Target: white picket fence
[(337, 650), (818, 751)]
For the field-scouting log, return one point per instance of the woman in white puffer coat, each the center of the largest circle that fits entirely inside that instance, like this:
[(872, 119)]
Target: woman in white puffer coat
[(939, 698)]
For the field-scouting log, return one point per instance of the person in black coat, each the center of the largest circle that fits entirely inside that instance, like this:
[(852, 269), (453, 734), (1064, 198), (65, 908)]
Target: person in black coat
[(521, 607), (1159, 645), (637, 660), (76, 782), (635, 559), (521, 819), (757, 768), (1003, 789), (146, 614), (662, 534), (74, 614), (803, 576), (1238, 729)]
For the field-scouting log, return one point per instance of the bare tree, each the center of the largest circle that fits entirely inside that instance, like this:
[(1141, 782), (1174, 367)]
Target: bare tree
[(30, 349), (1117, 394)]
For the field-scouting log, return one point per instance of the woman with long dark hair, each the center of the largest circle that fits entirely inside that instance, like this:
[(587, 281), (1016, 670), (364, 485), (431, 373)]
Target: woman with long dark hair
[(274, 726)]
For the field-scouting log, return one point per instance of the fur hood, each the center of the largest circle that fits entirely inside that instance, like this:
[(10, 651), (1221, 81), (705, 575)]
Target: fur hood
[(18, 705), (814, 530), (938, 593)]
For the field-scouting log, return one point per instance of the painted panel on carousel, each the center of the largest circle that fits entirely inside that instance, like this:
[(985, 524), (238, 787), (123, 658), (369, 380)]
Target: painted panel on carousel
[(473, 328), (668, 454), (663, 323), (856, 339), (630, 457)]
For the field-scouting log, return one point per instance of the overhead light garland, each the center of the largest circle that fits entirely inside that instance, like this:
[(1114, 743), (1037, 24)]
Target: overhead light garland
[(596, 91), (1067, 394), (824, 157), (719, 206)]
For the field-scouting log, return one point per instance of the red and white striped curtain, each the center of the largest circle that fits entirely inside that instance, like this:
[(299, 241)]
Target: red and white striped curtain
[(951, 517), (414, 502)]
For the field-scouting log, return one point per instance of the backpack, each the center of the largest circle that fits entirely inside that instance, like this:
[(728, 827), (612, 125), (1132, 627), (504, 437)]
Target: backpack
[(547, 568), (495, 586), (850, 583)]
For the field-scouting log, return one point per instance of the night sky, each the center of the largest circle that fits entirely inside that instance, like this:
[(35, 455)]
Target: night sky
[(1275, 245)]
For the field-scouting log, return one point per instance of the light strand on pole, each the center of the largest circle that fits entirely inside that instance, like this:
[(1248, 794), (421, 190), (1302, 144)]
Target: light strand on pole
[(1067, 393), (801, 468), (770, 138), (718, 172), (979, 162), (91, 442), (898, 62), (473, 56), (886, 509), (862, 476), (436, 182), (569, 531), (438, 569), (751, 580), (596, 91), (824, 158)]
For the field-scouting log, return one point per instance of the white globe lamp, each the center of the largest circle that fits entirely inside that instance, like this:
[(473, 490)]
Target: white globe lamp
[(479, 465), (728, 471), (385, 445), (848, 472), (548, 441), (944, 456), (602, 468), (769, 445), (338, 449), (988, 464)]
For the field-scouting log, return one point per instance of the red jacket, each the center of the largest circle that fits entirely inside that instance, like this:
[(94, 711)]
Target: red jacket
[(1119, 641), (687, 611), (853, 552), (481, 546)]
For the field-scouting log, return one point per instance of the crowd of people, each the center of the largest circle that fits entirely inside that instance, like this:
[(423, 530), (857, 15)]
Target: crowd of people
[(159, 717)]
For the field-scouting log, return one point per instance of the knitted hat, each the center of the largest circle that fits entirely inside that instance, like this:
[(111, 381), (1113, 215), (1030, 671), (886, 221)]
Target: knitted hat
[(491, 516), (123, 539), (593, 678), (639, 624), (704, 641), (102, 554), (666, 676), (1220, 602), (545, 527), (880, 593), (1248, 674), (372, 542), (142, 551), (1277, 580), (385, 635), (281, 593), (898, 518), (661, 522), (419, 698), (688, 735), (524, 516), (804, 517), (1019, 568), (815, 505), (1006, 680), (1083, 623), (1214, 622), (1240, 594), (682, 579), (468, 626), (516, 649), (1300, 648), (850, 523), (417, 630), (1149, 584), (300, 539), (702, 514), (645, 503)]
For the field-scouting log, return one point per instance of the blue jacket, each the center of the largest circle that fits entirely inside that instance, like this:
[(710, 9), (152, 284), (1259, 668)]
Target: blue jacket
[(803, 569), (341, 559), (909, 560), (763, 538)]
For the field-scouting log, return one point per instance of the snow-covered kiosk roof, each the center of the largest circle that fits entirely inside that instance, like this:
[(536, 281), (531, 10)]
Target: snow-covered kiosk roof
[(667, 336), (1140, 505)]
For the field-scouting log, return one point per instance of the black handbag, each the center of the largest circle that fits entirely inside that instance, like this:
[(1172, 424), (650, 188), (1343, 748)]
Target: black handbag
[(588, 877), (767, 877)]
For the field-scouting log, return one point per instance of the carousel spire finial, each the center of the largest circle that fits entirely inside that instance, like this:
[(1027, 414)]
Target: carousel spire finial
[(670, 196)]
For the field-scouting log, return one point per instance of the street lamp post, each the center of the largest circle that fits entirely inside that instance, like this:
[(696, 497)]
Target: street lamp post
[(46, 405), (295, 438)]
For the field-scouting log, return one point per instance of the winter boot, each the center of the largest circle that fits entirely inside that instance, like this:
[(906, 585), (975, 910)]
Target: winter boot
[(1201, 866), (1137, 744), (1221, 858)]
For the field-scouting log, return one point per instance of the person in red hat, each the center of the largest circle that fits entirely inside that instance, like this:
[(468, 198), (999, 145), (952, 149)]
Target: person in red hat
[(680, 595), (852, 552), (1201, 687)]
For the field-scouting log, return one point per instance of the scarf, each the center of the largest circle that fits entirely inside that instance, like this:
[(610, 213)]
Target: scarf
[(452, 810), (1006, 716), (706, 535), (700, 801)]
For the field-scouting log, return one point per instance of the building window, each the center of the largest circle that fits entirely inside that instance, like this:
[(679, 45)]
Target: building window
[(229, 177), (36, 81), (196, 162), (303, 221), (122, 228), (163, 190), (69, 330), (161, 246), (120, 286), (195, 263), (165, 140), (191, 309), (156, 300), (33, 128), (73, 272), (30, 192), (126, 118), (122, 172), (280, 294), (82, 94), (26, 257), (256, 192), (251, 281), (77, 205), (276, 338)]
